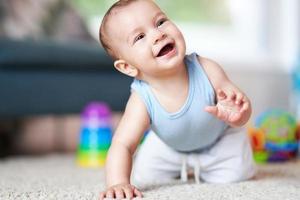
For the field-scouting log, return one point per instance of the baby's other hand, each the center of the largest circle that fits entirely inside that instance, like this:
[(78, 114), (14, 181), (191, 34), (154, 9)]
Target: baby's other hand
[(121, 191), (231, 106)]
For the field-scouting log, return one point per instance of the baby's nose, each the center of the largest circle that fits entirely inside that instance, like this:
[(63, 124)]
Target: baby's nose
[(158, 36)]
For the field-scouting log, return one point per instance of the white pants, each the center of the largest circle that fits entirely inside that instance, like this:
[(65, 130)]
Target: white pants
[(229, 160)]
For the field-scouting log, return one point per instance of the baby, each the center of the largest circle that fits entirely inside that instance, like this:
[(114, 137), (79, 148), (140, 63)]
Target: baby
[(195, 112)]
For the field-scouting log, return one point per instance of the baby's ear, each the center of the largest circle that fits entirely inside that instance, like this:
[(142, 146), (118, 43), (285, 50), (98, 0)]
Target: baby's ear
[(125, 68)]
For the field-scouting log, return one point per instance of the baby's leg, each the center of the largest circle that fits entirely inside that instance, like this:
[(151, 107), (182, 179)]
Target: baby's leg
[(155, 162), (229, 160)]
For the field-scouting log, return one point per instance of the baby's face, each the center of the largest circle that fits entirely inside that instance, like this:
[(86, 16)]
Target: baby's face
[(142, 35)]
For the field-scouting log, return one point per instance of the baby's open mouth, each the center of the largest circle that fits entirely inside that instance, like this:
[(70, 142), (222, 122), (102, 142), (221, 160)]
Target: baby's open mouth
[(166, 49)]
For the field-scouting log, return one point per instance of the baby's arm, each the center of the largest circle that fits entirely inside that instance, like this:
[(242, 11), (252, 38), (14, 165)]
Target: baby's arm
[(128, 134), (233, 106)]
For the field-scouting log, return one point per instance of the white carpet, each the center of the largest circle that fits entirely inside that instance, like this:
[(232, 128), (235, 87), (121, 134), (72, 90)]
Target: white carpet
[(58, 177)]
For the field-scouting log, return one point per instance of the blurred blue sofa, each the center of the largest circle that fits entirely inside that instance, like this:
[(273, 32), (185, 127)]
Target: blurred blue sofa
[(47, 77)]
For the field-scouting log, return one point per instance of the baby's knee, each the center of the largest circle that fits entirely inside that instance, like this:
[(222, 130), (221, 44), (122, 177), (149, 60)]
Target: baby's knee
[(237, 173)]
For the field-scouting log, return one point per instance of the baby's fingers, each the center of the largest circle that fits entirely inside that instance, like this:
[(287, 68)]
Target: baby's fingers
[(110, 193), (119, 193), (129, 192), (221, 94), (246, 106), (231, 96), (239, 98), (137, 193), (102, 196)]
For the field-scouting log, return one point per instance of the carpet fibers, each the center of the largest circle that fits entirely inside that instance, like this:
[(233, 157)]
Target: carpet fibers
[(58, 177)]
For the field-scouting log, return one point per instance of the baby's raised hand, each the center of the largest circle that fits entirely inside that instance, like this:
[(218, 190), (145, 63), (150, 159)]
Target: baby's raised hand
[(120, 191), (230, 107)]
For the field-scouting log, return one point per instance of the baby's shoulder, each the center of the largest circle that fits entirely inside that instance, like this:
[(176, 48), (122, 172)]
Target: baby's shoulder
[(206, 63)]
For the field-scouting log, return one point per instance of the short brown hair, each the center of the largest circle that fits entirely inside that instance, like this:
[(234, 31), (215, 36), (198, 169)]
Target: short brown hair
[(102, 36)]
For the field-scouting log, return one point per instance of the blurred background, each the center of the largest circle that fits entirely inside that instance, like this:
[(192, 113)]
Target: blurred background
[(52, 65)]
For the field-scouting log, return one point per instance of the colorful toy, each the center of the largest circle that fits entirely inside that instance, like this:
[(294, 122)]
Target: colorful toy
[(95, 135), (274, 136), (257, 138)]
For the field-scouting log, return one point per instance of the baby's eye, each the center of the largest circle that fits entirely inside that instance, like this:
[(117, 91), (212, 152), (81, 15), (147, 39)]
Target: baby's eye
[(160, 22), (139, 37)]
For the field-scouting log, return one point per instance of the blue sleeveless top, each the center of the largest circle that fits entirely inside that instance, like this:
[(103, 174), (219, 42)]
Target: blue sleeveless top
[(191, 128)]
